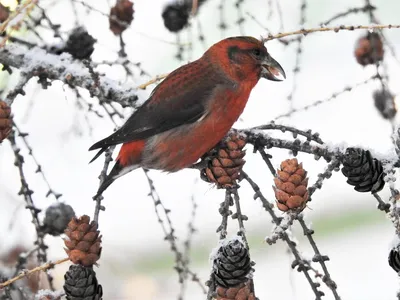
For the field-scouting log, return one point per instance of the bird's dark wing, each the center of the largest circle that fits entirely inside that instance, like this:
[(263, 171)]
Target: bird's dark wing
[(180, 99)]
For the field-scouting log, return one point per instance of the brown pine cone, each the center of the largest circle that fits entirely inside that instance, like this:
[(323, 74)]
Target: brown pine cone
[(226, 162), (4, 13), (5, 120), (291, 186), (369, 49), (121, 16), (240, 292), (84, 244)]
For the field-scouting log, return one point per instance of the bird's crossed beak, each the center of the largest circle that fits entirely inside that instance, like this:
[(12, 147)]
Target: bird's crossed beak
[(272, 70)]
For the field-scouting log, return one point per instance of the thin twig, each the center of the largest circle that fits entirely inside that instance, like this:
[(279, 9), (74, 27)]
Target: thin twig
[(330, 98), (299, 51), (38, 165), (336, 29), (169, 231), (26, 192), (151, 81), (284, 128), (318, 257), (351, 11), (382, 205), (44, 267), (302, 265), (99, 197), (332, 166)]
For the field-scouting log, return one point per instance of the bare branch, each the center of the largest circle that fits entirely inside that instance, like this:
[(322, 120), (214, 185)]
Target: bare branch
[(44, 267)]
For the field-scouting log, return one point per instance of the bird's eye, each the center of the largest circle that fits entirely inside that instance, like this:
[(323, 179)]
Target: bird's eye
[(256, 52)]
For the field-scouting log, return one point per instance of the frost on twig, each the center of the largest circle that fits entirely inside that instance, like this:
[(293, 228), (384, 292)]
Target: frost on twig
[(36, 62)]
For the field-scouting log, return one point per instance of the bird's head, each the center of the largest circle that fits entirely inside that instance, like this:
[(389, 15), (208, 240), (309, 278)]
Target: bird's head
[(245, 58)]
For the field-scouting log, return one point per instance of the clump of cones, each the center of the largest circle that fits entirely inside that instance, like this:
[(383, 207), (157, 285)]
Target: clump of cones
[(84, 250)]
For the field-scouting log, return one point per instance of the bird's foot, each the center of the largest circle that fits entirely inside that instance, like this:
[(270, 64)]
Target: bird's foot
[(201, 164)]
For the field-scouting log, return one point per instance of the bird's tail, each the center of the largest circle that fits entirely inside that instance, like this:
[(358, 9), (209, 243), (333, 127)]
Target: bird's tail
[(117, 171)]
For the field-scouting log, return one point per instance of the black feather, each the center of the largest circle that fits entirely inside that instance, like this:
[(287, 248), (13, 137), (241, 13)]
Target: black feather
[(172, 103)]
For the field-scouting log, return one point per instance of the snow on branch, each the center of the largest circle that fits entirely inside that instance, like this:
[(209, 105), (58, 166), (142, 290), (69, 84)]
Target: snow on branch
[(36, 62)]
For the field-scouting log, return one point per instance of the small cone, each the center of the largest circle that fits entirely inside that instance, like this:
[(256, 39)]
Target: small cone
[(80, 44), (80, 283), (5, 120), (84, 244), (291, 186), (232, 265), (369, 49), (176, 16), (363, 171), (226, 162), (57, 218), (385, 103), (121, 16)]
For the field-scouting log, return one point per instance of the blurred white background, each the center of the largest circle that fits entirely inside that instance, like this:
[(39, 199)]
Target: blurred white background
[(136, 262)]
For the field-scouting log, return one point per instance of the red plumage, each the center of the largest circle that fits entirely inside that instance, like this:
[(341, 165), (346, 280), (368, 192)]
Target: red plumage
[(192, 109)]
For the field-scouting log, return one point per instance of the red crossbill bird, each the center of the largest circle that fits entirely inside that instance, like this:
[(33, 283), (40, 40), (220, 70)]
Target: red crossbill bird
[(192, 109)]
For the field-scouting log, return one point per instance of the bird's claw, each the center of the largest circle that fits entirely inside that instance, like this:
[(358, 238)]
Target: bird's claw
[(201, 164)]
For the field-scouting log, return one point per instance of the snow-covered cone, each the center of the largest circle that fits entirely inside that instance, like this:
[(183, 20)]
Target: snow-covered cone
[(384, 103), (363, 171), (121, 16), (57, 218), (84, 243), (291, 186), (5, 120), (226, 162), (80, 44), (81, 284), (241, 292), (369, 49), (232, 265)]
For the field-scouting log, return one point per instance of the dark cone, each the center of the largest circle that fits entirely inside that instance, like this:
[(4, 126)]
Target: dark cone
[(84, 243), (232, 265), (121, 16), (363, 171), (291, 186), (81, 284), (369, 49), (57, 218), (5, 121), (176, 16), (240, 292), (226, 162), (80, 44), (394, 259), (384, 103)]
